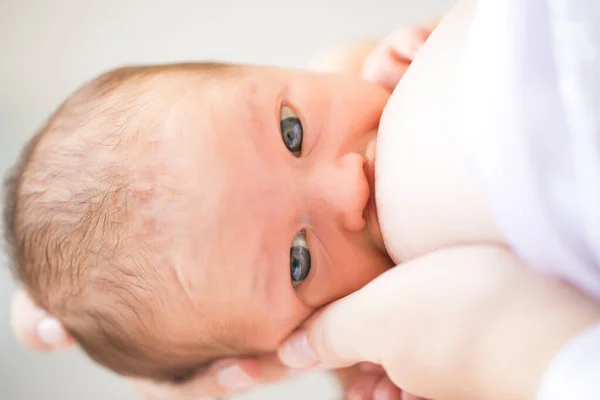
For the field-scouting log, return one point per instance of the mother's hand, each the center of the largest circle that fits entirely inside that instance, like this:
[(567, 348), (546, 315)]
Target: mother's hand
[(453, 324), (34, 328), (38, 331)]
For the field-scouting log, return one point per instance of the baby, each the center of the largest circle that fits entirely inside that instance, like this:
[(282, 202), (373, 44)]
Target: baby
[(169, 247), (173, 215)]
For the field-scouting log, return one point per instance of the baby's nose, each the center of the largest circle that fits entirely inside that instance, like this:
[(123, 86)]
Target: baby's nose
[(341, 191)]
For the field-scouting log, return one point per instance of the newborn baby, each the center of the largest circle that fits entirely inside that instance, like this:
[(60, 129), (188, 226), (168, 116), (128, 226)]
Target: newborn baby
[(156, 278), (173, 215)]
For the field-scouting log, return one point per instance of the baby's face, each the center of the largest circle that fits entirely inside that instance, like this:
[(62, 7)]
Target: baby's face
[(267, 213)]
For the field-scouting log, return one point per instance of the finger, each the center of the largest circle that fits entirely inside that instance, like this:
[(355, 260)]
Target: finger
[(408, 43), (342, 333), (203, 386), (389, 61), (34, 328), (422, 319), (363, 387), (223, 378), (197, 389), (346, 377), (391, 314), (246, 373), (385, 69), (386, 390), (408, 396), (370, 367)]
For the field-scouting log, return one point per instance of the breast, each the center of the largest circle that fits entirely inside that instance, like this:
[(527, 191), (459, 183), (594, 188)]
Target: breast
[(427, 197)]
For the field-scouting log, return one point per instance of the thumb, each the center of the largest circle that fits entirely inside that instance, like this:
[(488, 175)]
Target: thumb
[(348, 331), (405, 311)]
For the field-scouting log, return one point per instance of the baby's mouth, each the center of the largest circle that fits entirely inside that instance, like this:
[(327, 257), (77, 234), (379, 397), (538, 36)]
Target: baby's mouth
[(371, 209)]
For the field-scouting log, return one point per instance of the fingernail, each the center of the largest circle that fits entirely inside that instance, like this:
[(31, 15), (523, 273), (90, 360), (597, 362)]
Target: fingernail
[(234, 378), (297, 353), (51, 332)]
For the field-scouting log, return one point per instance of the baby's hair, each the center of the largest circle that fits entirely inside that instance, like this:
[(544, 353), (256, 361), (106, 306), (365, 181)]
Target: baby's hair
[(71, 233)]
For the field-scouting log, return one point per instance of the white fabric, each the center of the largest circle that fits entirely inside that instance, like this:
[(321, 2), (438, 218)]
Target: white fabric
[(530, 126), (575, 371)]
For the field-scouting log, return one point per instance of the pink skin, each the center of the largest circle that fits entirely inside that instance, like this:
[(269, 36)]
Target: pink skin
[(242, 197), (228, 198), (225, 198)]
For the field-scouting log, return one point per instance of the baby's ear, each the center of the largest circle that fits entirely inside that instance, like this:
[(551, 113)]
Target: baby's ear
[(34, 328)]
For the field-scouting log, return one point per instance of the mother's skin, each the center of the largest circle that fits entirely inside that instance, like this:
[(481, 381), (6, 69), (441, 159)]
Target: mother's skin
[(443, 207), (454, 317)]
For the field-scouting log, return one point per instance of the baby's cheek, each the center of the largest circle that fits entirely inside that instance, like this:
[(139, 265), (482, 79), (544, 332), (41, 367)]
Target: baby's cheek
[(360, 271), (336, 279), (271, 329)]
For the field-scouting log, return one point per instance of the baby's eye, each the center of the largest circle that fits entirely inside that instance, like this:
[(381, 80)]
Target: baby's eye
[(299, 259), (291, 131)]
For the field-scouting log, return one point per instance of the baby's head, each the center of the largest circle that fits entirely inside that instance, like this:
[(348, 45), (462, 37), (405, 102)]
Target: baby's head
[(170, 216)]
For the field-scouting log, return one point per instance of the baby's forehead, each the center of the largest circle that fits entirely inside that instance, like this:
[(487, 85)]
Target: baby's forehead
[(210, 174)]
